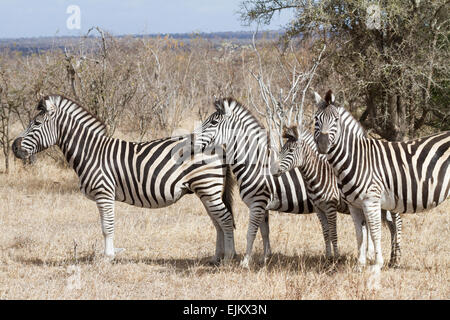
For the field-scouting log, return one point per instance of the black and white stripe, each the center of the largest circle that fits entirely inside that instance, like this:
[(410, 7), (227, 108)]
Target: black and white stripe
[(149, 174), (402, 177), (322, 186)]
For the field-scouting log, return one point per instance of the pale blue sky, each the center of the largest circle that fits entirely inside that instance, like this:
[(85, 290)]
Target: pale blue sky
[(31, 18)]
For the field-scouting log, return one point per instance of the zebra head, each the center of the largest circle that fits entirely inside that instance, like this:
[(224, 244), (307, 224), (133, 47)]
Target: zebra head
[(41, 133), (291, 154), (213, 131), (326, 118)]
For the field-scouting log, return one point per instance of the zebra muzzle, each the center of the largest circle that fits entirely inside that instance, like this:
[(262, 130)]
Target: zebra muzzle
[(17, 149), (275, 169), (322, 143)]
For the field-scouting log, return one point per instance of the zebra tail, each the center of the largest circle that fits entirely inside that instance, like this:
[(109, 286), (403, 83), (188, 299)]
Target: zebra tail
[(227, 195)]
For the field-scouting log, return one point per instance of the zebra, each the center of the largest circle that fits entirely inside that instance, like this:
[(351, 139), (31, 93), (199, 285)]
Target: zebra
[(403, 177), (322, 186), (151, 174), (250, 156)]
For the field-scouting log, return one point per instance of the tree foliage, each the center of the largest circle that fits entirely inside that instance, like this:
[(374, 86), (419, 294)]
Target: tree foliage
[(387, 59)]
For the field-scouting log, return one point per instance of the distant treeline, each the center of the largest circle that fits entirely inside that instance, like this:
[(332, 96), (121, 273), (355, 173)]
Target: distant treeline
[(35, 45)]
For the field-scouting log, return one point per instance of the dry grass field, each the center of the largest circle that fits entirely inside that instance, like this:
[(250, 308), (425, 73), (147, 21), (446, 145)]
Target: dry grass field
[(51, 248)]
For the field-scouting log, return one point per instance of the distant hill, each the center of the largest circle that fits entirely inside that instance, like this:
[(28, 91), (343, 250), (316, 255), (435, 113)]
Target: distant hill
[(39, 44)]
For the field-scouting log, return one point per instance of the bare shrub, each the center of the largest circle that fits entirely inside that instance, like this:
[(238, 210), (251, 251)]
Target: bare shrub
[(146, 88)]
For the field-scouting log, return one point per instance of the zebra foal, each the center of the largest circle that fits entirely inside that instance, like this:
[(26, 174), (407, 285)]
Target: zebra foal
[(151, 174)]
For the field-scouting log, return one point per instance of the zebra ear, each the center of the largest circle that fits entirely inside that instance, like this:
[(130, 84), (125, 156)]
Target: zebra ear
[(47, 105), (218, 104), (227, 107), (329, 97), (223, 106), (317, 97)]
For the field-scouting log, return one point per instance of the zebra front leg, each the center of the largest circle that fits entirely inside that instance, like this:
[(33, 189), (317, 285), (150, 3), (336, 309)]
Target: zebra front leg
[(326, 232), (331, 215), (105, 207), (372, 213), (370, 247), (264, 227), (361, 235)]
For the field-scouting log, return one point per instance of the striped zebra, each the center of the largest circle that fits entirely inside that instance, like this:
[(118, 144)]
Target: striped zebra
[(151, 174), (372, 174), (249, 155), (322, 187)]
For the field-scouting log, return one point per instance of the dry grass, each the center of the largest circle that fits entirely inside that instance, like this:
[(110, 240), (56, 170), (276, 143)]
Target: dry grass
[(42, 216)]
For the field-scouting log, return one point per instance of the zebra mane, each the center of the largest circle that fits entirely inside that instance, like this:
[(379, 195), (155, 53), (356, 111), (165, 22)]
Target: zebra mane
[(223, 105), (356, 126), (73, 102), (229, 102)]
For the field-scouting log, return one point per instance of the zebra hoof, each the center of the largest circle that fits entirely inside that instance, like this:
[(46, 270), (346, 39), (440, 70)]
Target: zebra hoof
[(226, 262), (228, 259)]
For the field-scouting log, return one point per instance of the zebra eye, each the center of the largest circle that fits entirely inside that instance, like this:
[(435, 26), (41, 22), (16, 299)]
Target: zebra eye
[(37, 122), (214, 122)]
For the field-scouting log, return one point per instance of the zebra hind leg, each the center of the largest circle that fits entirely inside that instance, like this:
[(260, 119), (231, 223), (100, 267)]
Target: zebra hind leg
[(395, 258), (255, 220), (220, 244), (223, 222), (264, 227), (394, 223)]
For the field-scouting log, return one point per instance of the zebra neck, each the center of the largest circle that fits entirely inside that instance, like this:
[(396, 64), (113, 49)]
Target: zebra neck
[(248, 155), (350, 125), (313, 168), (77, 142), (347, 145)]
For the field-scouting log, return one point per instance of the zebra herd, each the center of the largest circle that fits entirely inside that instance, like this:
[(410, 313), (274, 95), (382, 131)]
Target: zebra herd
[(354, 173)]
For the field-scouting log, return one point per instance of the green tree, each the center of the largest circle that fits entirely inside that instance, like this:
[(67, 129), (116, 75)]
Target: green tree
[(391, 57)]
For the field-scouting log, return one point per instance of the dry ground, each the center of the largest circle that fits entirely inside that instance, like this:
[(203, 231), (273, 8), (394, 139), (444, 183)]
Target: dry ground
[(43, 216)]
